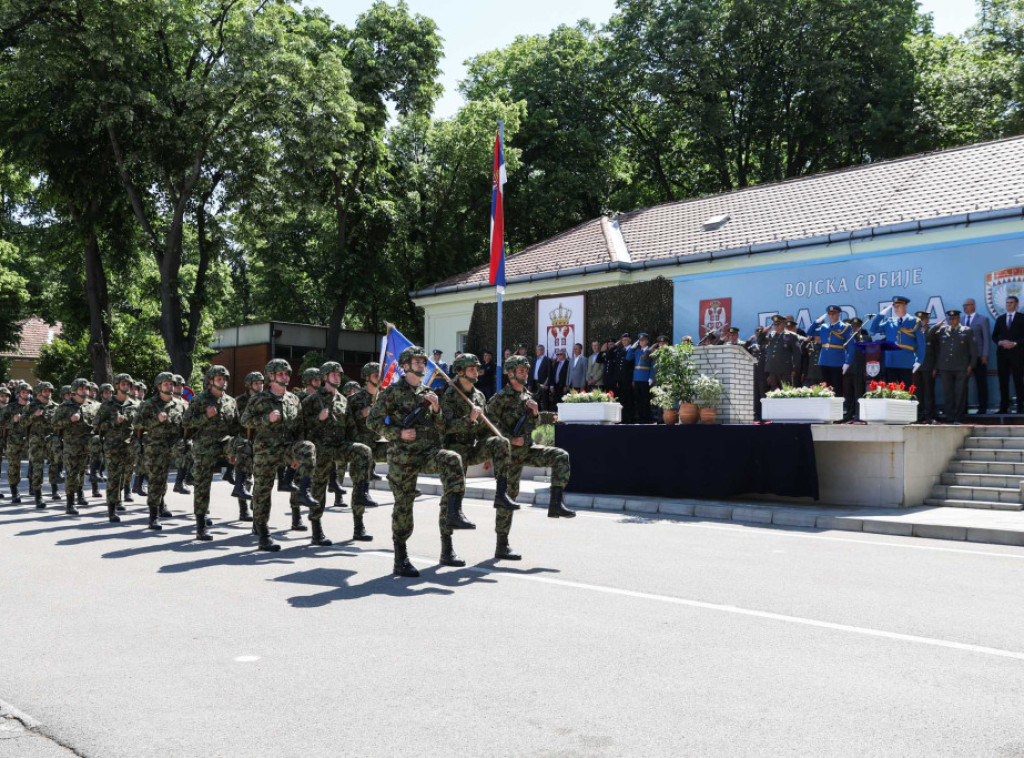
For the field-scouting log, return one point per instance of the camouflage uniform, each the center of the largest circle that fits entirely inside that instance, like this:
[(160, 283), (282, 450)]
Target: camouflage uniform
[(117, 444), (407, 459), (139, 450), (77, 437), (357, 403), (505, 410), (161, 439), (242, 445), (213, 439), (5, 397), (15, 424), (40, 430), (276, 444), (333, 438)]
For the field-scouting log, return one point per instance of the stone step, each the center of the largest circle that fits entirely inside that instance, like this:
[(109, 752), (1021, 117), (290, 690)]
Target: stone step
[(974, 479), (989, 454), (994, 443), (998, 431), (980, 504), (984, 494), (986, 467)]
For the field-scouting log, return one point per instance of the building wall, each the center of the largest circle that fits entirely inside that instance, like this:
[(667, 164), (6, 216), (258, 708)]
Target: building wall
[(24, 369), (241, 361)]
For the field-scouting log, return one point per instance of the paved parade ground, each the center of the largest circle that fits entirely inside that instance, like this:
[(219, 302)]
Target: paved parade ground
[(616, 635)]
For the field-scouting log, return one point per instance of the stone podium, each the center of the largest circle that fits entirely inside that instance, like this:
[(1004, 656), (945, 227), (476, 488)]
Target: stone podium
[(733, 366)]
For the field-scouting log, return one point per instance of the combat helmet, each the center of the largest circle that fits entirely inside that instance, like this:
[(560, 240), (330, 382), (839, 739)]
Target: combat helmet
[(106, 387), (253, 376), (163, 376), (216, 370), (65, 390), (179, 379), (275, 365), (350, 386), (43, 386), (329, 368), (515, 361), (79, 382), (123, 378), (369, 369), (413, 351), (464, 361), (5, 390), (310, 374)]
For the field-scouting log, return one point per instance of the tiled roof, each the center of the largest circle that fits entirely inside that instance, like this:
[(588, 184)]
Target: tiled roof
[(34, 334), (981, 177)]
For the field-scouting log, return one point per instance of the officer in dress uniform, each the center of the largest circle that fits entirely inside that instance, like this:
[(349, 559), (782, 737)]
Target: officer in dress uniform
[(836, 347), (756, 345), (906, 333), (855, 378), (801, 337), (924, 377), (782, 354), (955, 354)]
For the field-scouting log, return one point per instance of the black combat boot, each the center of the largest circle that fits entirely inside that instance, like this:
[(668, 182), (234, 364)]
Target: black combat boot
[(304, 497), (286, 481), (179, 483), (100, 473), (54, 495), (361, 496), (70, 508), (501, 498), (165, 511), (94, 474), (503, 552), (239, 491), (39, 500), (201, 524), (143, 489), (339, 500), (15, 495), (368, 501), (128, 493), (154, 519), (229, 473), (402, 565), (28, 478), (555, 507), (297, 525), (112, 516), (265, 543), (456, 518), (189, 479), (121, 507), (448, 555), (81, 498), (374, 476), (359, 531), (60, 474), (95, 487), (318, 539), (243, 511), (333, 484)]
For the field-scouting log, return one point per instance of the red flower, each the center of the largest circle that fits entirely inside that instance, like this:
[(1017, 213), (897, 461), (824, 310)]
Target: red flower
[(873, 386), (611, 394), (902, 386), (912, 388)]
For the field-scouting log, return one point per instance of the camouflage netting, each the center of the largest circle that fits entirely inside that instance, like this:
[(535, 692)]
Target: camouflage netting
[(640, 307)]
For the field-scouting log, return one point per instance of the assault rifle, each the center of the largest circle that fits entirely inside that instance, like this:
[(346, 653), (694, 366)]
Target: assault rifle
[(517, 430), (415, 416)]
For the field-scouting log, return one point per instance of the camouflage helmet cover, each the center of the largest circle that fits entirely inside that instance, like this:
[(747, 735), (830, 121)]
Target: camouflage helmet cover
[(515, 361), (329, 367), (217, 370), (413, 351), (370, 368), (178, 379), (466, 360), (310, 374), (253, 376), (123, 378), (349, 385), (106, 387), (65, 389), (43, 386), (79, 382), (5, 390), (163, 376), (277, 364)]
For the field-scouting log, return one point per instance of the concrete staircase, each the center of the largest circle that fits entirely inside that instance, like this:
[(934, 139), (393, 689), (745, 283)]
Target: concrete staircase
[(986, 472)]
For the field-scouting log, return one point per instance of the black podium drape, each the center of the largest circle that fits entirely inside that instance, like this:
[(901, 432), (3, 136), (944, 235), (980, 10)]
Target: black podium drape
[(698, 461)]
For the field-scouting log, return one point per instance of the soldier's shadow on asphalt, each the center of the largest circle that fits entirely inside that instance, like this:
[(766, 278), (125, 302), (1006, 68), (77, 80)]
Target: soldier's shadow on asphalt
[(430, 582)]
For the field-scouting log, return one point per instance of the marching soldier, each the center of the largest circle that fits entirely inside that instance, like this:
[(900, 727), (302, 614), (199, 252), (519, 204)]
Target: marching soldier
[(467, 436), (243, 445), (359, 404), (515, 413), (906, 333), (140, 487), (274, 418), (5, 399), (326, 422), (214, 423), (115, 422), (782, 354), (40, 428), (76, 419), (955, 355), (160, 417), (408, 415), (15, 427)]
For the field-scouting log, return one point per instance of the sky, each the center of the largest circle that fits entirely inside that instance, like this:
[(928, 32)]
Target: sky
[(473, 27)]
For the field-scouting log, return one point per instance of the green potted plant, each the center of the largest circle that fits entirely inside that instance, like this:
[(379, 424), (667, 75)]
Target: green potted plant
[(675, 376), (708, 390)]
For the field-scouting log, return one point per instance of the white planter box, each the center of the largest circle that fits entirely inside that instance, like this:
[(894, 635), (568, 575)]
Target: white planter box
[(885, 410), (802, 410), (590, 413)]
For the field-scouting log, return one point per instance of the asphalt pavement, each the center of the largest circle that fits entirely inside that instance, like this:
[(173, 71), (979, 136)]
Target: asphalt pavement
[(618, 634)]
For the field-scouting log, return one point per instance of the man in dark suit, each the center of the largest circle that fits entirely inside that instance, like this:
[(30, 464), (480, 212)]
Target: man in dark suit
[(559, 376), (540, 378), (978, 324), (488, 374), (1008, 334)]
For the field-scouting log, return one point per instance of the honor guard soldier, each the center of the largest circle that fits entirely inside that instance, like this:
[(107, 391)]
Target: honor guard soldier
[(5, 399), (906, 333), (475, 443), (40, 428), (161, 418), (836, 347), (408, 415), (15, 428), (115, 421), (955, 354), (75, 419), (243, 444), (359, 404), (782, 354)]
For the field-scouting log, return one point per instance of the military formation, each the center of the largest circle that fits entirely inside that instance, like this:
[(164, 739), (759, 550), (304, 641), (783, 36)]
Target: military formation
[(270, 438)]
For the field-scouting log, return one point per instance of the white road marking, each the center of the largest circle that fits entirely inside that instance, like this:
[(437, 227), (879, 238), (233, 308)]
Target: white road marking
[(861, 630), (247, 659)]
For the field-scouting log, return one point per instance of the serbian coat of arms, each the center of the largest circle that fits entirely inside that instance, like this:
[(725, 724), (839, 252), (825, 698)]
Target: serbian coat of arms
[(999, 285)]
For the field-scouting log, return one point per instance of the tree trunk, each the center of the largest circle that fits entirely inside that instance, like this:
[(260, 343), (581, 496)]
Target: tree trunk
[(99, 312), (334, 326), (172, 326)]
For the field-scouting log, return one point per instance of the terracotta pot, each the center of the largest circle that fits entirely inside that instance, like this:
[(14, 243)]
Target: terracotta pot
[(688, 413), (708, 415), (670, 417)]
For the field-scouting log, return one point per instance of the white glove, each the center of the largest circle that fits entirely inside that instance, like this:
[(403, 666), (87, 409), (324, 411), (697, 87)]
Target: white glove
[(887, 308), (650, 382), (822, 318), (846, 367), (916, 366)]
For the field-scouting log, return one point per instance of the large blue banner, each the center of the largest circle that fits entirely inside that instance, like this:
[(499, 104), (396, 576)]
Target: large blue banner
[(935, 277)]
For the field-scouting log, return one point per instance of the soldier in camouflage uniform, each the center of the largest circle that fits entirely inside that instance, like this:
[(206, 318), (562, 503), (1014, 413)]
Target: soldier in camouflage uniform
[(359, 404), (514, 412), (115, 421), (351, 387), (15, 427), (475, 443), (409, 416), (183, 458), (783, 355), (76, 419), (214, 423), (5, 399), (138, 445), (161, 419), (40, 429), (56, 441), (273, 416), (243, 443), (325, 420)]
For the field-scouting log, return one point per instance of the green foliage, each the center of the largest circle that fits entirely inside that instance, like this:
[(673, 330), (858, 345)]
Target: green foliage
[(675, 375), (707, 390), (518, 325), (13, 298), (312, 359)]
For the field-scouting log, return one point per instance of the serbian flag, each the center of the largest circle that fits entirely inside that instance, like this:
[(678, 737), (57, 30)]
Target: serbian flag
[(498, 217), (391, 347)]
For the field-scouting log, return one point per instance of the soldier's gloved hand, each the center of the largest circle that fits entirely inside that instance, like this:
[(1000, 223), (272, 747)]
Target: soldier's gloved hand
[(211, 411), (324, 414), (916, 366), (161, 417), (887, 308), (846, 367)]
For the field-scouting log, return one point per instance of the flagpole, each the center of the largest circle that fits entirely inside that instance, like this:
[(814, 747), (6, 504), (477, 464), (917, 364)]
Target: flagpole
[(499, 352)]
